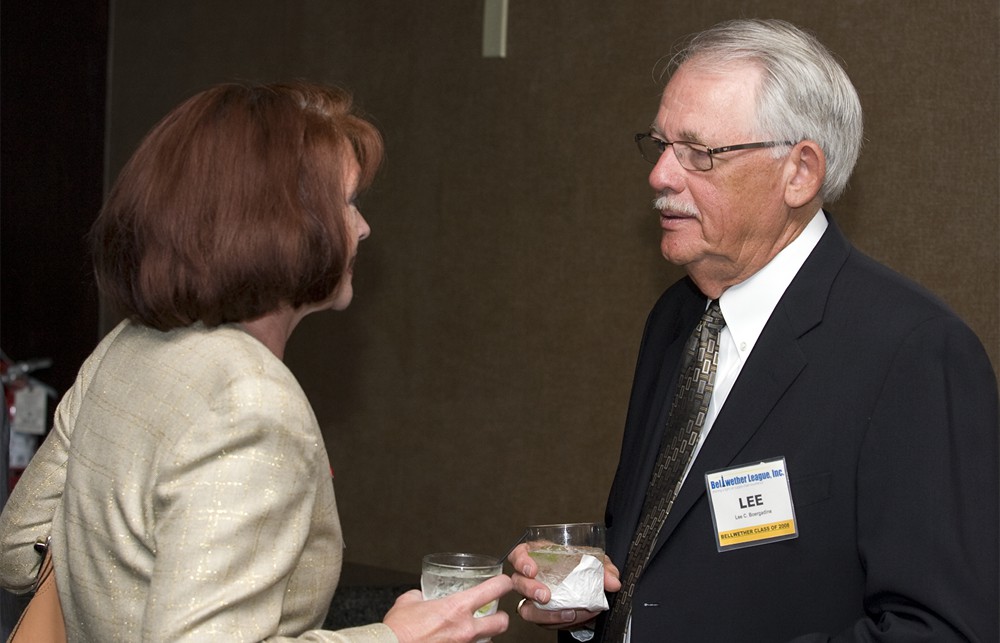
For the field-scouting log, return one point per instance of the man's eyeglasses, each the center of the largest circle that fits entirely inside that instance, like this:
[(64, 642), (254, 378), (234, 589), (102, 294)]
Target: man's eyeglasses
[(692, 156)]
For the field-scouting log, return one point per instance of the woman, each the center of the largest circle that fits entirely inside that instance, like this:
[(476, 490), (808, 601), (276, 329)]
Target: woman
[(185, 483)]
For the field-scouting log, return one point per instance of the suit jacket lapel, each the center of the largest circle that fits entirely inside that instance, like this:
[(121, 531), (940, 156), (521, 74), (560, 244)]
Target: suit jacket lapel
[(772, 367)]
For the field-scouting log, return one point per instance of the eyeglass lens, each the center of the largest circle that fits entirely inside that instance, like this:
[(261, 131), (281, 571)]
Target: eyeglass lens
[(689, 157)]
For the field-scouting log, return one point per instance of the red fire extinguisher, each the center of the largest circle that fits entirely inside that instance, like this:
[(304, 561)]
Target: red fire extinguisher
[(26, 406)]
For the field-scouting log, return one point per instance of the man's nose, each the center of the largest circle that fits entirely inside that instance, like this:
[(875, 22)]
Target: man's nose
[(667, 174)]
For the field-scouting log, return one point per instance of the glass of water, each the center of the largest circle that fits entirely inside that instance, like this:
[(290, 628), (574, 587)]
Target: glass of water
[(447, 573), (559, 549)]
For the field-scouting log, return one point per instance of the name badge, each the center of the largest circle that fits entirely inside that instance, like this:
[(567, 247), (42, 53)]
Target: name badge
[(751, 505)]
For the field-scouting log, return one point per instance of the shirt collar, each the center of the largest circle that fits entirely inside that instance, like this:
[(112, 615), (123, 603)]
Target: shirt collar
[(748, 305)]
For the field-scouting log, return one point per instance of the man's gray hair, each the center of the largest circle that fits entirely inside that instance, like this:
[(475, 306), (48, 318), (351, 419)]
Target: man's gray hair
[(804, 92)]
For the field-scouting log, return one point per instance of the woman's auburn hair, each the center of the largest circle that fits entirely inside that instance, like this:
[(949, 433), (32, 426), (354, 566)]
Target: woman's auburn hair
[(234, 205)]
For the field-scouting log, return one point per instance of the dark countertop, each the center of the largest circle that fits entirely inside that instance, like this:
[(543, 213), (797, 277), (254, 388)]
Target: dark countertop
[(365, 593)]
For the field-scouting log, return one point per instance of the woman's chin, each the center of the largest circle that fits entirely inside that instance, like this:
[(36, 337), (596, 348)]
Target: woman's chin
[(342, 298)]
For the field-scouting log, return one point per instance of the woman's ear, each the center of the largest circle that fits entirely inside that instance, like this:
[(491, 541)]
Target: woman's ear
[(806, 171)]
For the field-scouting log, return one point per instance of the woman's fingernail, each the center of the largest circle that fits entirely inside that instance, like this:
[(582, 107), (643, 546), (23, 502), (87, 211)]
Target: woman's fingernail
[(569, 616), (540, 595)]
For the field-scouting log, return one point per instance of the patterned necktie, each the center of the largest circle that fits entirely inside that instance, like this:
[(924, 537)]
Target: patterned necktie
[(687, 416)]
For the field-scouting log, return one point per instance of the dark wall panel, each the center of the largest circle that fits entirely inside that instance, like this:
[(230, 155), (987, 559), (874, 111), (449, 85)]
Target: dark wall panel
[(54, 57)]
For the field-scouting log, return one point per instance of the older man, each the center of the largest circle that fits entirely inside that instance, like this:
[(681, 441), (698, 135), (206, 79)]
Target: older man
[(825, 466)]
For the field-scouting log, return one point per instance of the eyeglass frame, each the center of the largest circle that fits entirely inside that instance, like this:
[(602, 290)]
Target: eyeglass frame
[(711, 151)]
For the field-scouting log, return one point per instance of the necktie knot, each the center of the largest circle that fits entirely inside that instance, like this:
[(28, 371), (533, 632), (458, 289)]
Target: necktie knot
[(713, 316), (703, 345)]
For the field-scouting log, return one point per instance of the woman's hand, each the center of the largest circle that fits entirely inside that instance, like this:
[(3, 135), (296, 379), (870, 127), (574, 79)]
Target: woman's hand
[(449, 619), (534, 590)]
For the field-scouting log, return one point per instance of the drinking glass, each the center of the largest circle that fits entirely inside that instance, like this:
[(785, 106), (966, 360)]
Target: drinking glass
[(447, 573), (559, 549)]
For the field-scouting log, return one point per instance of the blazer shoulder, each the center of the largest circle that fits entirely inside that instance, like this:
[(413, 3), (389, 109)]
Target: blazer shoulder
[(892, 295), (839, 281)]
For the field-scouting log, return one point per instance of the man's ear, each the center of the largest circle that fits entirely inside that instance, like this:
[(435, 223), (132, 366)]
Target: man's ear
[(806, 171)]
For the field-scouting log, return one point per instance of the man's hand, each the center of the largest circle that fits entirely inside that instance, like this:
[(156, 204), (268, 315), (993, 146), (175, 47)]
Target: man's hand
[(525, 584)]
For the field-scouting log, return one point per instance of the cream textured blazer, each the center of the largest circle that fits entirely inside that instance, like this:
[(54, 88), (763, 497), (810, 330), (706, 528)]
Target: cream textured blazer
[(188, 494)]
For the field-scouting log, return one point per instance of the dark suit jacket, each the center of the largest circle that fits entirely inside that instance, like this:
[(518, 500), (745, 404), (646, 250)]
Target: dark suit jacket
[(884, 405)]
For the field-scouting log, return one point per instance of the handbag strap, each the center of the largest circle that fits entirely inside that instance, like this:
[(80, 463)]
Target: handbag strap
[(42, 547)]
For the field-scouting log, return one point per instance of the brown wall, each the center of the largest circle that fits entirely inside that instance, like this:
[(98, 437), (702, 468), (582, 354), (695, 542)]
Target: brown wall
[(479, 381)]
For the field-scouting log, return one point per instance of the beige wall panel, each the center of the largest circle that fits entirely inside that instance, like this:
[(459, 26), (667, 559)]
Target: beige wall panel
[(480, 380)]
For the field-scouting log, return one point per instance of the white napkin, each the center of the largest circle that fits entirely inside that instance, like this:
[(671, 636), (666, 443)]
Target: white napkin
[(582, 589)]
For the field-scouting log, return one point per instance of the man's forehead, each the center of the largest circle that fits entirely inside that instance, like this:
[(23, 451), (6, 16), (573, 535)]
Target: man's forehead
[(704, 99)]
